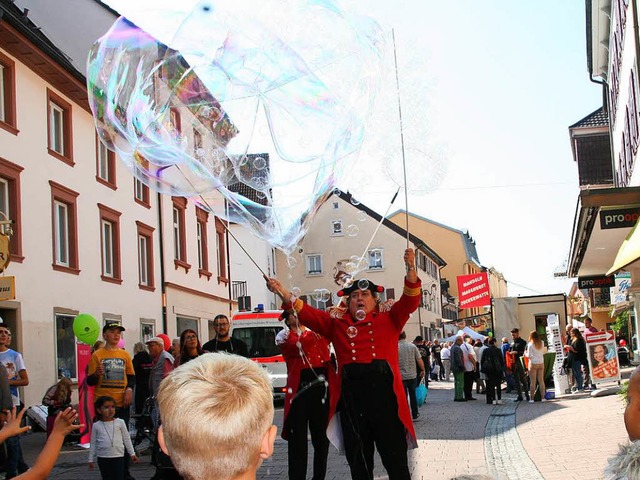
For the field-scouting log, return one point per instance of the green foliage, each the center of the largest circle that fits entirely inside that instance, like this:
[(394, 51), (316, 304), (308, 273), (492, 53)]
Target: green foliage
[(624, 388), (621, 325)]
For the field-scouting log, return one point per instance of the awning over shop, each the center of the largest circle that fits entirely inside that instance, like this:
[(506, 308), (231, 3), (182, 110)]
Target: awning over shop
[(629, 251)]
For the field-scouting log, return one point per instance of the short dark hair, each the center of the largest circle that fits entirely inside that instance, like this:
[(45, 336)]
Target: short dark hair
[(515, 330), (418, 338)]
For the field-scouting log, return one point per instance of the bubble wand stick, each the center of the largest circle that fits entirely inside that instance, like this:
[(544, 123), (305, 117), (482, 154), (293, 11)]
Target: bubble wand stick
[(404, 164)]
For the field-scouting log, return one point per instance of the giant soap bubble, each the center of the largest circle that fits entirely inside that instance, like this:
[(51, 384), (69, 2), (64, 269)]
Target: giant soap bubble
[(250, 108)]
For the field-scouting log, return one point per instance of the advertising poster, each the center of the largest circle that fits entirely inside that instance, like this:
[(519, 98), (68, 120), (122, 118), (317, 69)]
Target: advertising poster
[(473, 290), (603, 356), (85, 393)]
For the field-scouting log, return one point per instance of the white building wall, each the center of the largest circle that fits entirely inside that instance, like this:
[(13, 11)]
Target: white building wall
[(39, 288)]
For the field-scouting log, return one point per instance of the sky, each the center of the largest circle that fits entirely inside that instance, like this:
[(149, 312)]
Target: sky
[(488, 90), (503, 81)]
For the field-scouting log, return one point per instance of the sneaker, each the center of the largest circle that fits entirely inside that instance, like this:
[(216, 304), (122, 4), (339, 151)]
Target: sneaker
[(495, 402), (500, 402), (545, 400), (530, 401)]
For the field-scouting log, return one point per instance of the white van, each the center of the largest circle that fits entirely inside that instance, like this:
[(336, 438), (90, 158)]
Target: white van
[(258, 329)]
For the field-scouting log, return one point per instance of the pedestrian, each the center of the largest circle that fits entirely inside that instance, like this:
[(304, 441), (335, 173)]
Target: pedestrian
[(307, 399), (445, 356), (56, 399), (457, 367), (505, 347), (109, 439), (577, 354), (469, 367), (518, 346), (218, 418), (492, 365), (588, 328), (111, 372), (142, 363), (408, 358), (479, 378), (535, 353), (190, 347), (368, 400), (161, 367), (436, 350), (174, 350), (483, 377), (224, 342), (425, 354), (18, 377)]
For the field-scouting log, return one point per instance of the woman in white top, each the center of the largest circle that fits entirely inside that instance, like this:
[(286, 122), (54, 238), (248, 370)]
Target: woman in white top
[(535, 353)]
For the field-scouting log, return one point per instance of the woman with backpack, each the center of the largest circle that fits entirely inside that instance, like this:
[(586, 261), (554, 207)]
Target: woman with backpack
[(492, 365)]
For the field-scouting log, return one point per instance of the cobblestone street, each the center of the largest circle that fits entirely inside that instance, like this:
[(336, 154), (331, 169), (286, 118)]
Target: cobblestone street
[(569, 438)]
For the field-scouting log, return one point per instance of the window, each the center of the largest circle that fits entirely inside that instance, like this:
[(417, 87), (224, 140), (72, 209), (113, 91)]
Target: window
[(145, 257), (336, 205), (197, 144), (336, 227), (260, 341), (147, 329), (179, 233), (221, 252), (182, 323), (110, 244), (7, 95), (64, 228), (140, 189), (10, 206), (65, 346), (202, 218), (314, 264), (59, 128), (105, 165), (376, 259)]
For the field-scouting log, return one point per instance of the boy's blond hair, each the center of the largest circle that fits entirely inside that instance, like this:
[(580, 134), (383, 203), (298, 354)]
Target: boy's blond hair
[(215, 412)]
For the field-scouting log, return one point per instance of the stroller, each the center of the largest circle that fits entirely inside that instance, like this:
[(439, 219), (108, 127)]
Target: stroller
[(144, 424)]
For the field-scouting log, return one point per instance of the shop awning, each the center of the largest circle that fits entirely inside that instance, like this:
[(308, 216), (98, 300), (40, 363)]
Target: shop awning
[(629, 251)]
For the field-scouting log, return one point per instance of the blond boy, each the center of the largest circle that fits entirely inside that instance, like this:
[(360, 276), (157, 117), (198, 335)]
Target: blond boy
[(217, 417)]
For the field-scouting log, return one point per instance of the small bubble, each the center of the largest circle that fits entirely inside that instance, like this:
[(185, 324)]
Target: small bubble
[(360, 315), (201, 152), (321, 378), (292, 262), (296, 291), (363, 284), (290, 390), (337, 191), (323, 295), (322, 401), (354, 201), (298, 344), (261, 195), (259, 163), (361, 215), (352, 230)]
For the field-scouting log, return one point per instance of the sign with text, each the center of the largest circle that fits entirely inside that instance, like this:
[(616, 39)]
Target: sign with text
[(598, 281), (603, 356), (620, 292), (619, 218), (473, 290), (7, 288)]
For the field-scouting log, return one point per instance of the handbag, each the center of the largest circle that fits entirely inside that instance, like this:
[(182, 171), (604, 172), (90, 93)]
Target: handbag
[(421, 393)]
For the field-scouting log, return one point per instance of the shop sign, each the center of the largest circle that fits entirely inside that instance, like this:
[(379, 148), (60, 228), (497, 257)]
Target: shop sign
[(619, 218), (473, 290), (597, 281), (7, 288)]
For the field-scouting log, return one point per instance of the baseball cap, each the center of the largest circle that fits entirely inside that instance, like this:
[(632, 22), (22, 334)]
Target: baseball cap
[(157, 340), (112, 324)]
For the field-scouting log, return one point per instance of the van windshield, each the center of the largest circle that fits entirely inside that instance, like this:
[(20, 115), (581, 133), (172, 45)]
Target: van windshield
[(261, 341)]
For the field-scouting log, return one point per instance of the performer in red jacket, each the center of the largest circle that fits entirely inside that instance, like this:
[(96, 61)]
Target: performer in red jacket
[(307, 398), (368, 405)]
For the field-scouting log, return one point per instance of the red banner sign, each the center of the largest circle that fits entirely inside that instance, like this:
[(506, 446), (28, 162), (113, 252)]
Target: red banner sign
[(473, 290)]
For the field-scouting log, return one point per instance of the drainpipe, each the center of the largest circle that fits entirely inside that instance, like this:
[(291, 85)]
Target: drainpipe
[(163, 287)]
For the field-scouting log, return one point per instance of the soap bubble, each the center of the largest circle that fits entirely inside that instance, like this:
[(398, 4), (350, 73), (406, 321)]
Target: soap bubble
[(292, 262), (363, 284), (361, 215), (230, 70), (296, 291), (360, 315), (354, 201), (321, 295), (352, 230)]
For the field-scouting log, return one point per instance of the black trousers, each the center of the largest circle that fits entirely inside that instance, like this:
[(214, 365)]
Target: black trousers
[(368, 411), (309, 410), (522, 384), (441, 365), (469, 378), (410, 388), (494, 388), (112, 468)]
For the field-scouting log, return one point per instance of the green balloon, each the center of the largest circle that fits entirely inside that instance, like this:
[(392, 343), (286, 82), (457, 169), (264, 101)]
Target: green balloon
[(491, 334), (86, 328)]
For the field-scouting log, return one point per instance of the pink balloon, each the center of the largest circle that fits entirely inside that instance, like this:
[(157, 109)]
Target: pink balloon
[(121, 343)]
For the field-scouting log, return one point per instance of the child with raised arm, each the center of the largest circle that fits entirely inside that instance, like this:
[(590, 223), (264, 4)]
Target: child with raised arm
[(62, 427), (217, 415), (109, 438)]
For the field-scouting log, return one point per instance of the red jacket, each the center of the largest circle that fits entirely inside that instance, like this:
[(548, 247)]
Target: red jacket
[(374, 338), (316, 355)]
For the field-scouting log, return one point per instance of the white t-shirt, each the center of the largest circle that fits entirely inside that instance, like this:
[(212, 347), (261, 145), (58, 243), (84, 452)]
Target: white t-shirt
[(536, 357), (14, 363), (445, 353)]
